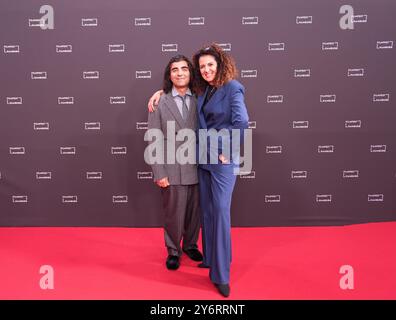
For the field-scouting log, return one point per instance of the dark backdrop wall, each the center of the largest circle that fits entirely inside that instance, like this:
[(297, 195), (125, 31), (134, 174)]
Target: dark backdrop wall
[(73, 108)]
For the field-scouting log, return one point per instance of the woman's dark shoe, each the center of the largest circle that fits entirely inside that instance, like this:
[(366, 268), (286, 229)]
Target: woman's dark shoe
[(172, 262), (202, 265), (224, 289)]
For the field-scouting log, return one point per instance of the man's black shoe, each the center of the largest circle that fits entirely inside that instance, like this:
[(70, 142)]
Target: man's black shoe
[(194, 254), (224, 289), (172, 262)]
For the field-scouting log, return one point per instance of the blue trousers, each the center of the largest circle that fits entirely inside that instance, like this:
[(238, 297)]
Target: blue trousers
[(215, 199)]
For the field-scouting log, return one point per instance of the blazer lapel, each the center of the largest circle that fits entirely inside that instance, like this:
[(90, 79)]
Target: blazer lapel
[(172, 107)]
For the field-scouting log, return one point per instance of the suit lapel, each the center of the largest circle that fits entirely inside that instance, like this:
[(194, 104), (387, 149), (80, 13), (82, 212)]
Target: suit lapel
[(172, 107)]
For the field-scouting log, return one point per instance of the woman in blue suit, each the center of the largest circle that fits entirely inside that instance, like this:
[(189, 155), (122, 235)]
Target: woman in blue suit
[(220, 106)]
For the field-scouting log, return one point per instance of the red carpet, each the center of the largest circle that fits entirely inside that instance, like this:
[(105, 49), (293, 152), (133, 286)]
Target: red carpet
[(268, 263)]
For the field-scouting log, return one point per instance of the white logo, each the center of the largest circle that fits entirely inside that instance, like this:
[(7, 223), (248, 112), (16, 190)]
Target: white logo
[(247, 175), (47, 20), (144, 175), (19, 199), (300, 124), (169, 47), (248, 73), (249, 20), (252, 124), (353, 123), (325, 98), (65, 100), (275, 99), (120, 199), (381, 97), (43, 175), (272, 198), (141, 125), (378, 148), (90, 74), (273, 149), (94, 175), (92, 126), (225, 46), (89, 22), (361, 18), (302, 73), (14, 100), (346, 21), (64, 48), (355, 72), (67, 150), (326, 149), (323, 198), (304, 19), (69, 199), (298, 174), (41, 126), (118, 150), (117, 100), (38, 75), (142, 21), (11, 48), (276, 46), (384, 44), (350, 174), (17, 150), (376, 197), (116, 47), (143, 74), (196, 21), (329, 45)]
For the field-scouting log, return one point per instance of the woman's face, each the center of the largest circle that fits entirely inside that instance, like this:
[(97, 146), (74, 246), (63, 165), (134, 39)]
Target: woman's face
[(208, 68)]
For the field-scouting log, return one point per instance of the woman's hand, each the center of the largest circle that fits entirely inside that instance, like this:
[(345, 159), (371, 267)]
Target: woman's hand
[(223, 159), (153, 102)]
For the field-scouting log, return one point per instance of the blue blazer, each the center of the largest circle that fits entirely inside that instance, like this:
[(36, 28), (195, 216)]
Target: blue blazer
[(225, 110)]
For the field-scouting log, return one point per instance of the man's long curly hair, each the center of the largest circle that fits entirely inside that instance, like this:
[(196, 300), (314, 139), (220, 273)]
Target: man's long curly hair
[(226, 69), (167, 83)]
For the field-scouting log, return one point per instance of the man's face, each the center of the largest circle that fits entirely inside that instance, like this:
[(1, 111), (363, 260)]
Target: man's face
[(180, 74)]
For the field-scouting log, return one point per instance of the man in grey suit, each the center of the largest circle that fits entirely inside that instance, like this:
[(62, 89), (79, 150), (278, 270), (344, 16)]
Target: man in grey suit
[(178, 182)]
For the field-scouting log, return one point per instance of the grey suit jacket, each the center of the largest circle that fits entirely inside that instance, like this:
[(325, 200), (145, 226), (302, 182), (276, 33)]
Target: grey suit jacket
[(178, 174)]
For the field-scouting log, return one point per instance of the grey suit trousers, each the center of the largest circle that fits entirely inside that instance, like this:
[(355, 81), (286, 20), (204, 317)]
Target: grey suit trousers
[(182, 217)]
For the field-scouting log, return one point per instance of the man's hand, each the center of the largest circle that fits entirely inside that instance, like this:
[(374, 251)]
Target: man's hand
[(163, 183), (223, 159), (153, 102)]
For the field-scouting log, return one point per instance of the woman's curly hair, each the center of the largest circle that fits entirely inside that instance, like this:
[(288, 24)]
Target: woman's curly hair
[(226, 69)]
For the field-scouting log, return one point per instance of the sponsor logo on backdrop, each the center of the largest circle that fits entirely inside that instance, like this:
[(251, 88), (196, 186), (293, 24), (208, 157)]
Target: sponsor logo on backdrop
[(252, 124), (247, 175), (276, 46), (300, 124), (384, 44), (275, 99), (248, 73), (302, 73), (144, 74), (11, 49), (43, 175), (116, 47), (327, 98), (41, 126), (144, 175), (350, 173), (356, 72), (92, 125), (14, 100), (67, 150), (272, 198), (19, 199), (142, 22), (323, 197), (94, 175), (376, 197), (118, 150), (169, 47), (299, 174), (141, 125), (378, 148), (381, 97), (63, 48), (118, 100), (273, 149), (329, 46), (353, 123), (65, 100), (17, 150), (304, 19), (250, 20), (38, 75), (69, 199), (90, 74), (326, 149), (89, 22), (196, 21), (120, 199), (225, 46)]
